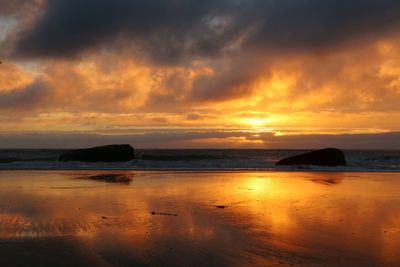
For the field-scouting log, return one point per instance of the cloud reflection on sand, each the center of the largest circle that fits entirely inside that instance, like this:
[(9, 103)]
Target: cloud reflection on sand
[(269, 218)]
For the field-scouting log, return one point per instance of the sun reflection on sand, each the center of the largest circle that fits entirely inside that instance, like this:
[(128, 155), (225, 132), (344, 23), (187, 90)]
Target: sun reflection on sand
[(294, 218)]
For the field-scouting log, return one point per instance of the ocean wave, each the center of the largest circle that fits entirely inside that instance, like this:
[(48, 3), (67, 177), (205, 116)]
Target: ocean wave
[(200, 160)]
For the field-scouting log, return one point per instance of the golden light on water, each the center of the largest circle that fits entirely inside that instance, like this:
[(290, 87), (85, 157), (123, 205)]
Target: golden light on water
[(297, 214)]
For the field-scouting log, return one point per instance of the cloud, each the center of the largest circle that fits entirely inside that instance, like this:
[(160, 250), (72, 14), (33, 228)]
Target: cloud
[(87, 86), (206, 139), (241, 42), (12, 76), (159, 27), (313, 24), (122, 64), (171, 31), (194, 116), (17, 6), (229, 80), (27, 98), (344, 141)]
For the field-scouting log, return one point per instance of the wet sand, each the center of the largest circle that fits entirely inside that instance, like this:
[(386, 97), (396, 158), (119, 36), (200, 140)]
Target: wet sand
[(199, 219)]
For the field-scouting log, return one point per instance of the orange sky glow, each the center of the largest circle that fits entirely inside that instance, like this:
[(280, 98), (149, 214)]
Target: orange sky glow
[(240, 96)]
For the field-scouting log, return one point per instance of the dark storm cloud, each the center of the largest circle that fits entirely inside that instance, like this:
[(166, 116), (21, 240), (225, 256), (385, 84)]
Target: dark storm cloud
[(170, 30), (303, 24), (160, 27)]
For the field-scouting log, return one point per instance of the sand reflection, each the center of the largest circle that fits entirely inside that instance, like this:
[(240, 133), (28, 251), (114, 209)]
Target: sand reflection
[(172, 219)]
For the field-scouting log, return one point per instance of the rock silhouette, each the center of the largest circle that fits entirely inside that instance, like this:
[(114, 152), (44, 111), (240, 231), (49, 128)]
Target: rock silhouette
[(110, 153), (323, 157)]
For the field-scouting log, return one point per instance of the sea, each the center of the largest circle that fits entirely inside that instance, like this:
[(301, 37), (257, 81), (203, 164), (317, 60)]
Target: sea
[(200, 160)]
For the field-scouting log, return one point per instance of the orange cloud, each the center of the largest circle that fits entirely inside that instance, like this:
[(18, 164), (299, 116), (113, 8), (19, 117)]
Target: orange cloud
[(116, 85)]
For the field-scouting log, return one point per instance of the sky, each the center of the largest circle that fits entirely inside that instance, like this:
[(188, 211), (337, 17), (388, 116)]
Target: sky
[(200, 73)]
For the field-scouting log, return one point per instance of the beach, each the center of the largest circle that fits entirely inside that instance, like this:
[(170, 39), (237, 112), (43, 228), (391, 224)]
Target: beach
[(186, 218), (213, 133)]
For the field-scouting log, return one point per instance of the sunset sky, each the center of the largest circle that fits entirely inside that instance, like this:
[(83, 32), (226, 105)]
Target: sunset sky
[(200, 73)]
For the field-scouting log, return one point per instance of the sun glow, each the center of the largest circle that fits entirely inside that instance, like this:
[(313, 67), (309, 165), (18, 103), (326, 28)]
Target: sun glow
[(255, 122)]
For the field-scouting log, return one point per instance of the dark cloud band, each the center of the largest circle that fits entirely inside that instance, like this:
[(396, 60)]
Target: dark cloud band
[(170, 31)]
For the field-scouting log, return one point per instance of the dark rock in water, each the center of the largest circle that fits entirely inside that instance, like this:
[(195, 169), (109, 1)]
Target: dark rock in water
[(328, 181), (163, 213), (323, 157), (110, 178), (111, 153), (8, 160)]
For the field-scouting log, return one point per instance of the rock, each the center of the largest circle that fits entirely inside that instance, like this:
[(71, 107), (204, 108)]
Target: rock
[(323, 157), (111, 153), (110, 178), (163, 213)]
